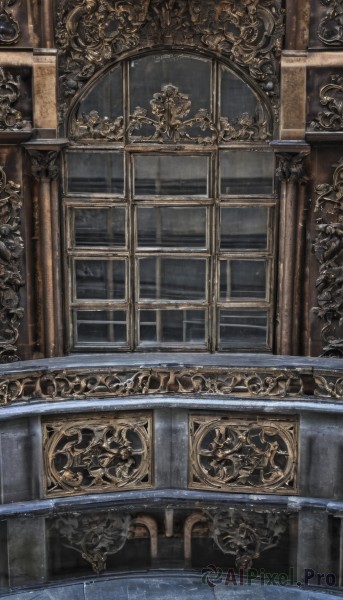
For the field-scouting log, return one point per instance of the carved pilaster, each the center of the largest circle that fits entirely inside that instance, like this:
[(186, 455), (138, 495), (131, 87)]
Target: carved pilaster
[(328, 248), (11, 248)]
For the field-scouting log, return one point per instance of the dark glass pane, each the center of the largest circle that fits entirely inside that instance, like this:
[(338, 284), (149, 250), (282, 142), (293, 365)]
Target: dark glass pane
[(172, 279), (172, 227), (245, 329), (244, 172), (99, 227), (172, 327), (95, 172), (242, 279), (236, 96), (106, 97), (191, 75), (244, 228), (171, 175), (100, 279), (105, 326)]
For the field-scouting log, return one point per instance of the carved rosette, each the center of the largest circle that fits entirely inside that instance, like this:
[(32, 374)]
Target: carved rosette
[(9, 26), (246, 534), (94, 536), (330, 30), (92, 34), (236, 454), (86, 455), (11, 249), (328, 249), (330, 96)]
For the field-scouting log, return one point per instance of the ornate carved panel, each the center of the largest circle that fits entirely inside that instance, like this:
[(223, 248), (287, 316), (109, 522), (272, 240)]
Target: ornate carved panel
[(9, 26), (84, 455), (91, 35), (11, 249), (330, 27), (10, 118), (330, 96), (328, 250), (243, 454)]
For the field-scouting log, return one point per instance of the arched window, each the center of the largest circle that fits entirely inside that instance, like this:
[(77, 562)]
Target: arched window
[(169, 206)]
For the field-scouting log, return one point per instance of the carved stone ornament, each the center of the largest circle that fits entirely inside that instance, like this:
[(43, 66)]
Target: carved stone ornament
[(235, 454), (86, 455), (10, 118), (44, 164), (111, 383), (291, 167), (92, 33), (9, 26), (330, 30), (331, 96), (328, 249), (244, 128), (246, 534), (94, 127), (94, 536), (11, 249)]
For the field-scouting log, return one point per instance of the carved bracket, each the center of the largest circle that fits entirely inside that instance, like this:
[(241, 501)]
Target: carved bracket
[(291, 167), (328, 249), (11, 249), (44, 164)]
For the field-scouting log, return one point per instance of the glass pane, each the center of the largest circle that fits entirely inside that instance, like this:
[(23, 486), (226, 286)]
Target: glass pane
[(100, 279), (171, 175), (189, 74), (172, 279), (99, 227), (236, 96), (172, 227), (95, 172), (242, 279), (172, 327), (244, 228), (245, 172), (246, 329), (104, 326), (106, 97)]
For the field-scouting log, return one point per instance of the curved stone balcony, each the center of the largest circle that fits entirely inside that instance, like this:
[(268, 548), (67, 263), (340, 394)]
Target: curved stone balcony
[(163, 464)]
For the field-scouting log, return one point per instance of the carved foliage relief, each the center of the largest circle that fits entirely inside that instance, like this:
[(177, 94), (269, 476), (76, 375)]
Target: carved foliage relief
[(328, 249), (331, 96), (10, 118), (92, 34), (236, 454), (330, 30), (11, 249), (86, 455), (9, 26)]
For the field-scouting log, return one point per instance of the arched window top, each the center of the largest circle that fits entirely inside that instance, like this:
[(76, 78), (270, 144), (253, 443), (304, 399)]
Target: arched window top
[(171, 97)]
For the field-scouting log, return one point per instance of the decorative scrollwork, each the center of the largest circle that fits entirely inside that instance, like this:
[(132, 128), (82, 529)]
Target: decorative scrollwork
[(102, 383), (11, 249), (246, 534), (171, 107), (240, 454), (85, 455), (94, 127), (330, 30), (328, 249), (10, 118), (243, 128), (9, 26), (94, 536), (329, 386), (91, 33), (331, 96)]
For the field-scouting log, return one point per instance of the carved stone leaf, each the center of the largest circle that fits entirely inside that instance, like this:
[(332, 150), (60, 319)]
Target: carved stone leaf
[(331, 96)]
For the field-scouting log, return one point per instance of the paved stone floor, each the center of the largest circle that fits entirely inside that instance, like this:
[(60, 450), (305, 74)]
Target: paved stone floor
[(166, 588)]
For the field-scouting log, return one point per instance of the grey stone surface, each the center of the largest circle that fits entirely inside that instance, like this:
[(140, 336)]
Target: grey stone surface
[(180, 449), (162, 447), (147, 588), (66, 592), (26, 551), (16, 461)]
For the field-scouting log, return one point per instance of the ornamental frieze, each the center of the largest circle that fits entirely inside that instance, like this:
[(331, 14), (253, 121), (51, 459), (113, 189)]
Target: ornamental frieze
[(243, 454), (90, 35), (84, 455)]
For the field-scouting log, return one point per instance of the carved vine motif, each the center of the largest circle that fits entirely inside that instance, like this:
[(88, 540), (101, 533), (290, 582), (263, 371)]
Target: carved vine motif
[(331, 95), (330, 30), (94, 536), (11, 249), (171, 107), (88, 455), (94, 127), (90, 34), (9, 26), (10, 118), (243, 128), (328, 249), (246, 534), (102, 383), (238, 454)]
